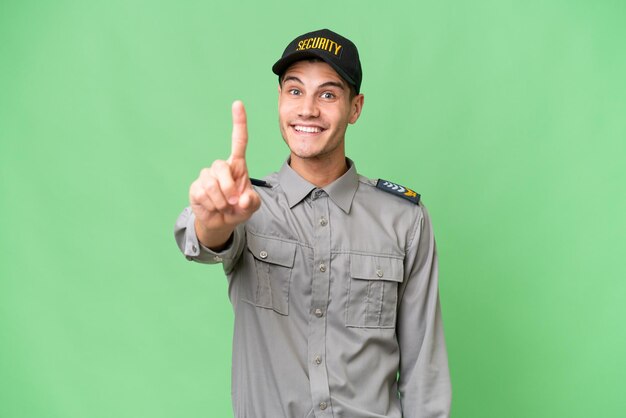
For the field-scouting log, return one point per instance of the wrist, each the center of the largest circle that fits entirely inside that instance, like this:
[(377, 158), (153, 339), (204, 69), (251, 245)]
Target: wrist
[(215, 239)]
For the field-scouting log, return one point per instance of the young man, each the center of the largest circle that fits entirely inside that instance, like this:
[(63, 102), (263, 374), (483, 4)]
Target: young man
[(332, 276)]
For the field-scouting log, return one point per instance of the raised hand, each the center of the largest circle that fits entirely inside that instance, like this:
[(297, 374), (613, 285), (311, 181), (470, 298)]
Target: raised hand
[(222, 196)]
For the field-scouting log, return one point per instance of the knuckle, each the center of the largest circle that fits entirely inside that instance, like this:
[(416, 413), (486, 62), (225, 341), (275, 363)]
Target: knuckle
[(197, 195), (211, 185), (194, 188), (218, 165)]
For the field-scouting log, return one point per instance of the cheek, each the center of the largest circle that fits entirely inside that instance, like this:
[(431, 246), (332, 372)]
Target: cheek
[(284, 109), (339, 119), (282, 115)]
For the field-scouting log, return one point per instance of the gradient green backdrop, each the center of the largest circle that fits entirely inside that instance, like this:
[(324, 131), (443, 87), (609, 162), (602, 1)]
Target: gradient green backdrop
[(508, 117)]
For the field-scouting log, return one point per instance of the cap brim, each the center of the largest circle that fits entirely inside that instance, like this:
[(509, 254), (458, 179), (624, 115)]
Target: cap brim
[(282, 64)]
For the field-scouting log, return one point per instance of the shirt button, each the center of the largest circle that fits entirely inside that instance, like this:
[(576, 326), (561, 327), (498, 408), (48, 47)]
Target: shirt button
[(323, 405), (194, 248), (317, 359), (322, 267), (319, 313), (263, 254), (323, 221), (379, 273), (217, 258)]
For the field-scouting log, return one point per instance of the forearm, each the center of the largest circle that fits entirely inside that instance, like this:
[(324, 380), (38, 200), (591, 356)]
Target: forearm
[(214, 239)]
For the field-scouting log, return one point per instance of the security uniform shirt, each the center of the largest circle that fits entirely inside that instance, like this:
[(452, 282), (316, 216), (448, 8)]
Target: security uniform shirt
[(336, 303)]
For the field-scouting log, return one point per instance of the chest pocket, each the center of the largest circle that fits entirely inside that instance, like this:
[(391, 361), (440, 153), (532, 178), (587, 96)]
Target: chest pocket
[(373, 292), (273, 259)]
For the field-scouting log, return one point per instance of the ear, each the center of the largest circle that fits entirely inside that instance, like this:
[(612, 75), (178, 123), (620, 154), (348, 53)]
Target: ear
[(356, 106)]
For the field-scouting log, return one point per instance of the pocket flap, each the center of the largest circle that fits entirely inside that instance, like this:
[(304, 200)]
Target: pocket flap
[(271, 250), (370, 267)]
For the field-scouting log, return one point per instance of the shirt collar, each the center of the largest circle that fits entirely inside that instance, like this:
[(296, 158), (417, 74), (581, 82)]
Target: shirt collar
[(341, 191)]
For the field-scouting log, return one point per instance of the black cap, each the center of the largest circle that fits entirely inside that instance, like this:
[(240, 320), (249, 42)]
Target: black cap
[(337, 51)]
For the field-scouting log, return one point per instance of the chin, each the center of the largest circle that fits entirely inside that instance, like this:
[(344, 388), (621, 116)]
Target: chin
[(304, 153), (302, 149)]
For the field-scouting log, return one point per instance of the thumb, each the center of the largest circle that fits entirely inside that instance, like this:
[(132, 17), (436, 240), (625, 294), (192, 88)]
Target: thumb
[(250, 200)]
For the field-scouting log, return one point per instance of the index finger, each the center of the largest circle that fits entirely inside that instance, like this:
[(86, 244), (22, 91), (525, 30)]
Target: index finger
[(240, 131)]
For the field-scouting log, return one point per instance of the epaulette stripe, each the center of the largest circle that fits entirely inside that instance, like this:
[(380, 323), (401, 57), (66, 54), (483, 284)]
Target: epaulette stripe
[(398, 190), (260, 183)]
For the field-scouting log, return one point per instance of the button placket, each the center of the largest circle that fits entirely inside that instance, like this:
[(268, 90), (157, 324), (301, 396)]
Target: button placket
[(318, 375)]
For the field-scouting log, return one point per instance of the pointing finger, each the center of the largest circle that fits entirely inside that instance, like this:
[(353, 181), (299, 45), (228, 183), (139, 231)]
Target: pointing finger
[(240, 131)]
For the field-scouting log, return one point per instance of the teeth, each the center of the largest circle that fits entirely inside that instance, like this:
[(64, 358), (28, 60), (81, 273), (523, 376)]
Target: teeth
[(308, 129)]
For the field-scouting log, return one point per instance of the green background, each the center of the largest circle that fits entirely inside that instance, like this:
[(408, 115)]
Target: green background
[(507, 116)]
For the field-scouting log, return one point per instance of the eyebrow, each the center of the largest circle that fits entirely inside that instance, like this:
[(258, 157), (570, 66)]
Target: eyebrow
[(332, 83), (326, 84)]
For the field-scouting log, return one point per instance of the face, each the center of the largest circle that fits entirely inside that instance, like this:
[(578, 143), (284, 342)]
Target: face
[(315, 108)]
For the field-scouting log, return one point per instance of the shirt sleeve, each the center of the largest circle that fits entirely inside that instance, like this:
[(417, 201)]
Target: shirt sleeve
[(424, 382), (185, 234)]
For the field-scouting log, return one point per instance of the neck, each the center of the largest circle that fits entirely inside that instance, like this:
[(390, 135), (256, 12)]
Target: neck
[(320, 171)]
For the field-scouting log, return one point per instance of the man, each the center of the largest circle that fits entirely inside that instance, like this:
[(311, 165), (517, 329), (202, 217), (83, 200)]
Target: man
[(332, 276)]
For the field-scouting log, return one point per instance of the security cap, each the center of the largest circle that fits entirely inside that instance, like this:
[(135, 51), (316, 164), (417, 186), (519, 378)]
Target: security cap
[(337, 51)]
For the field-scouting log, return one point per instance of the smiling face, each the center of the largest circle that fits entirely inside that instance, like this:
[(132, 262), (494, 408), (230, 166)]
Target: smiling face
[(315, 108)]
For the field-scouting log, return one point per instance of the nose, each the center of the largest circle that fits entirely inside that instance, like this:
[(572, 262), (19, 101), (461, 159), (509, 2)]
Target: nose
[(308, 107)]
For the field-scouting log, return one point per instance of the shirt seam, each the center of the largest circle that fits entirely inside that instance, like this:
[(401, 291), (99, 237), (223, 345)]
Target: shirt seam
[(418, 220), (371, 254)]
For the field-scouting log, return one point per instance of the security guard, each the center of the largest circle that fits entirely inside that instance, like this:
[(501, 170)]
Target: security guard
[(333, 276)]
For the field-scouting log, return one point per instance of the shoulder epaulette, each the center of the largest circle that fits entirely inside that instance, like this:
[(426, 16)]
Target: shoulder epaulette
[(398, 190), (260, 183)]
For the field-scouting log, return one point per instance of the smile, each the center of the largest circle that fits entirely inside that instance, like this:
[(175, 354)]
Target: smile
[(307, 129)]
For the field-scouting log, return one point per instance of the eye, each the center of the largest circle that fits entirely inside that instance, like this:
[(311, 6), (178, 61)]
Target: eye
[(327, 95), (295, 92)]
